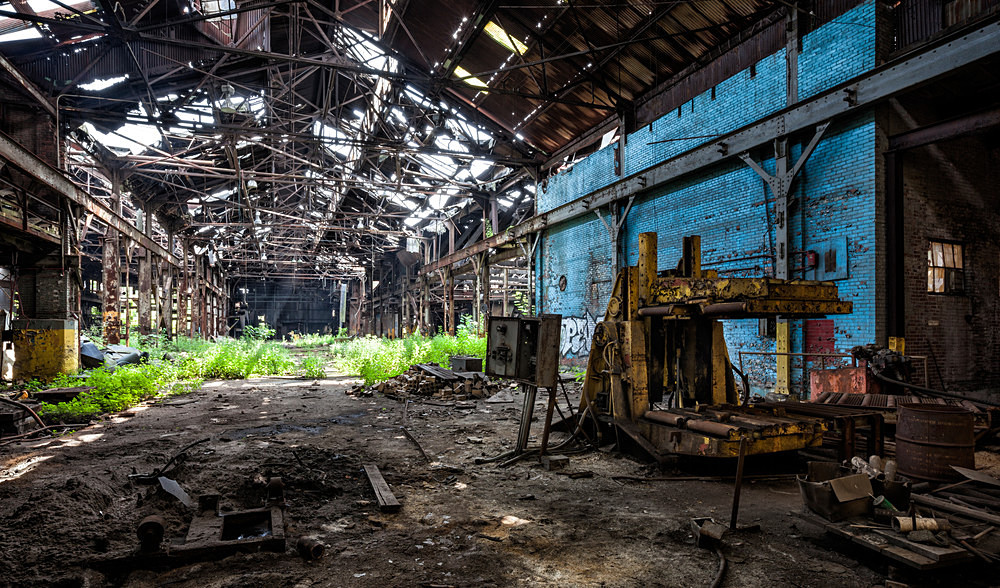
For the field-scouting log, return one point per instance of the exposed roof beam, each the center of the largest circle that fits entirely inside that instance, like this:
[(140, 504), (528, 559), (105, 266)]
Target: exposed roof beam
[(863, 91)]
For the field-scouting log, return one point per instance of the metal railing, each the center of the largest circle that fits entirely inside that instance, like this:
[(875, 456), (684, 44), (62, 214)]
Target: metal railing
[(823, 360)]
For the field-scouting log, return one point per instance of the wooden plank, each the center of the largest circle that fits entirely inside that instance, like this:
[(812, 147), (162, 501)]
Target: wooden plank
[(386, 499), (893, 552), (974, 513), (935, 552), (437, 371)]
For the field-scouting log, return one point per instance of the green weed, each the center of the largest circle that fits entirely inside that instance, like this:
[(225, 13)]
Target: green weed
[(113, 391), (376, 359), (236, 359), (312, 367), (196, 360)]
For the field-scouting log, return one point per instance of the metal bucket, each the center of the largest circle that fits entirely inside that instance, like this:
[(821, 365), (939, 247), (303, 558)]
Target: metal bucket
[(932, 437)]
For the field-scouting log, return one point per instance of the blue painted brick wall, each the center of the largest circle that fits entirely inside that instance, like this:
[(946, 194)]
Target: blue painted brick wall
[(837, 51), (739, 101), (728, 205), (581, 251)]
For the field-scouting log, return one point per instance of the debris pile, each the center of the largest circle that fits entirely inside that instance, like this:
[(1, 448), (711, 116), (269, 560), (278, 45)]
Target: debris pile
[(433, 381), (924, 525)]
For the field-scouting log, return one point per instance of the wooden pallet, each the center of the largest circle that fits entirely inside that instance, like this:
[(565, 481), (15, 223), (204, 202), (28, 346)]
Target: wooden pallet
[(893, 546)]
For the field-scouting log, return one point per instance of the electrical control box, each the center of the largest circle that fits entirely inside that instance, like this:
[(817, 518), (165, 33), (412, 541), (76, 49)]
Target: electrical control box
[(524, 348)]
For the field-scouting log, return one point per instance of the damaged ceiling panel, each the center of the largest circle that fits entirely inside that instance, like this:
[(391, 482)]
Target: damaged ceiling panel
[(311, 136)]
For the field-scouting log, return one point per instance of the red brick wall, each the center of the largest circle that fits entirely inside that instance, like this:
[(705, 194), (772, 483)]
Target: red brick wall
[(950, 193)]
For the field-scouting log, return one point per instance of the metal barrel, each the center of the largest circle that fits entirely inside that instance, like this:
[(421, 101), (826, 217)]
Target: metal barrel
[(932, 437)]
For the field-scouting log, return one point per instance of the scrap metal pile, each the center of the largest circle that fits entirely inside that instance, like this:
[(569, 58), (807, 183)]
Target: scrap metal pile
[(876, 508), (429, 380)]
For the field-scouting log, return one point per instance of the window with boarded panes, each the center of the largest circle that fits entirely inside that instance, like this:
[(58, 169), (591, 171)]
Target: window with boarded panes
[(945, 268)]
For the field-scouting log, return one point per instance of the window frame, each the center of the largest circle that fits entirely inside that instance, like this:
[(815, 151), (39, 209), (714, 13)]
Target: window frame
[(950, 273)]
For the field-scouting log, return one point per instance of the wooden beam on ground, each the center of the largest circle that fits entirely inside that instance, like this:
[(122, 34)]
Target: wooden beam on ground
[(386, 499)]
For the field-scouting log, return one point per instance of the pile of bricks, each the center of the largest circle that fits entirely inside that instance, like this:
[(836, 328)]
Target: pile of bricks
[(429, 380)]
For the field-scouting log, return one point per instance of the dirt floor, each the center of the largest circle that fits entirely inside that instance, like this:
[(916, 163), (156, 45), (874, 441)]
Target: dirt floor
[(70, 509)]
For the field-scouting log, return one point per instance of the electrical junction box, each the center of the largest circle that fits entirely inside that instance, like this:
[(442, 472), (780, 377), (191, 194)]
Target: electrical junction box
[(524, 348)]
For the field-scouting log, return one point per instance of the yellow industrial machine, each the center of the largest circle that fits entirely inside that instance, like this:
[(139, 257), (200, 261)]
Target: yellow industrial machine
[(659, 370)]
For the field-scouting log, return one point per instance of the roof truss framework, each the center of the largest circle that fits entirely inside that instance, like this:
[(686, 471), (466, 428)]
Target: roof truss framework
[(314, 136)]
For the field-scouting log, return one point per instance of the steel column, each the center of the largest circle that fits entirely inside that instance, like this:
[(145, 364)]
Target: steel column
[(895, 291), (111, 311)]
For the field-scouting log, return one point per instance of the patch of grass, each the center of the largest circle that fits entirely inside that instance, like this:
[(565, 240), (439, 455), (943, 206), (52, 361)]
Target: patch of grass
[(236, 359), (113, 391), (196, 360), (376, 359), (312, 366)]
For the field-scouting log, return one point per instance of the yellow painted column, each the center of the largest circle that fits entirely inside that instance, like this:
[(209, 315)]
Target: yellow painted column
[(783, 344), (44, 348)]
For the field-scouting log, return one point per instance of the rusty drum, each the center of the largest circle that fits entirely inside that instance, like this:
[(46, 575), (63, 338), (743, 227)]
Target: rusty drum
[(932, 437)]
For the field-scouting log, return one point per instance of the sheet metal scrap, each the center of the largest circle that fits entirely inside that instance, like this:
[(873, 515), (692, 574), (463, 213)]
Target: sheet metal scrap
[(219, 534)]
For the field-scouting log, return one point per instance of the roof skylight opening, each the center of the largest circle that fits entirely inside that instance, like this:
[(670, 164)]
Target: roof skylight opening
[(479, 166), (441, 165), (135, 138), (450, 144), (464, 75), (211, 7), (473, 132), (22, 35), (45, 6), (417, 96), (335, 140), (220, 195), (498, 34)]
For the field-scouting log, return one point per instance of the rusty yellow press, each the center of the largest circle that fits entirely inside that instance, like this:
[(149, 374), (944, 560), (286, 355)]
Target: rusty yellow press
[(659, 369)]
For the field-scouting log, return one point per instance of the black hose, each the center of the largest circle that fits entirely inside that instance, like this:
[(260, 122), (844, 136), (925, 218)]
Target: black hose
[(721, 574), (23, 406)]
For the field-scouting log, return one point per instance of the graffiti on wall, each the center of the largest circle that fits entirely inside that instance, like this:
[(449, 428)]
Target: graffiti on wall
[(577, 332)]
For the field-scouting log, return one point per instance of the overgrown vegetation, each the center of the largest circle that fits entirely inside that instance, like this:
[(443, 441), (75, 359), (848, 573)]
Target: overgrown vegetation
[(186, 363), (376, 359), (117, 390), (236, 359), (312, 367)]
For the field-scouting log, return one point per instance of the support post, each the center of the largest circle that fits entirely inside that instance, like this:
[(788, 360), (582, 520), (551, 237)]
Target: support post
[(183, 293), (485, 287), (450, 299), (111, 311), (145, 291), (895, 295), (647, 265), (780, 187)]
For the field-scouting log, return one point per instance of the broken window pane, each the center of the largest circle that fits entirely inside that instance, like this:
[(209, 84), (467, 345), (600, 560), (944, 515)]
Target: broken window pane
[(945, 273)]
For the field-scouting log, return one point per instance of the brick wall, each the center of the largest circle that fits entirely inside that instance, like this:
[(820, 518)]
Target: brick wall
[(25, 122), (838, 51), (46, 291), (728, 204), (950, 194), (581, 251)]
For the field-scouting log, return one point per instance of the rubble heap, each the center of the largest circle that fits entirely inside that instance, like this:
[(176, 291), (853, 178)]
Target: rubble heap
[(429, 380)]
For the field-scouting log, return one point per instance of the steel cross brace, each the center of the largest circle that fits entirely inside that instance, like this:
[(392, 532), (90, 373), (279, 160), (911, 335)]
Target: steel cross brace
[(781, 187)]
